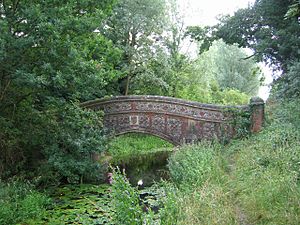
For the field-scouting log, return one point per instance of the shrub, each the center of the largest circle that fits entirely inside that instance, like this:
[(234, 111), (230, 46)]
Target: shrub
[(12, 156), (55, 145), (125, 201), (169, 213), (234, 97), (19, 202), (71, 137), (288, 85)]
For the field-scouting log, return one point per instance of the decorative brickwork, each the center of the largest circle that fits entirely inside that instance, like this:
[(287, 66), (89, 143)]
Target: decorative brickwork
[(175, 120)]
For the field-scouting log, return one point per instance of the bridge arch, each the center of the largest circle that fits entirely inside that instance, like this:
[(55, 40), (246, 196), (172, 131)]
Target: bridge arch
[(140, 131), (175, 120)]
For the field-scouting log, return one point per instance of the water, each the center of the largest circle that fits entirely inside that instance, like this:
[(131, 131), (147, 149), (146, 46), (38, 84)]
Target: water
[(149, 167), (91, 204)]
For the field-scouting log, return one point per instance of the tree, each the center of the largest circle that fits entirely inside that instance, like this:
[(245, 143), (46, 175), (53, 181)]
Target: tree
[(179, 63), (294, 10), (222, 75), (136, 28), (227, 65), (50, 58), (262, 28), (289, 84)]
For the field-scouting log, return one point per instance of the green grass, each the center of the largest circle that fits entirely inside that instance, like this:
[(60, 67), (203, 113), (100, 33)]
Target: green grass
[(266, 175), (200, 174), (134, 144), (255, 180), (251, 181)]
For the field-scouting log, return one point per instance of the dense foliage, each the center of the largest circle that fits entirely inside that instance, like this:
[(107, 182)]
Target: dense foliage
[(221, 75), (288, 86), (56, 54), (135, 27), (19, 202), (261, 27), (50, 59)]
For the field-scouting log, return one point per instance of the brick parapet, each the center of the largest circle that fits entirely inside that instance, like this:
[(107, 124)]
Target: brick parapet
[(257, 108), (176, 120)]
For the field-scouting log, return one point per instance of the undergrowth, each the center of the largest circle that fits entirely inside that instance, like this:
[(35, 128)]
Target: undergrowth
[(251, 181), (255, 180), (21, 203)]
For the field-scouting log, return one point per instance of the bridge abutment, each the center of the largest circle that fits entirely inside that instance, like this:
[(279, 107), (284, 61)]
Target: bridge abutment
[(257, 109)]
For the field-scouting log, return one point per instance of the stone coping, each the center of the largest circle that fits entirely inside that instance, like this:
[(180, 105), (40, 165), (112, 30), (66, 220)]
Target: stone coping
[(162, 99)]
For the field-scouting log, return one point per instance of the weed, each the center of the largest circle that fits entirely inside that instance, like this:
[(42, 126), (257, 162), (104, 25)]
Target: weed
[(20, 203)]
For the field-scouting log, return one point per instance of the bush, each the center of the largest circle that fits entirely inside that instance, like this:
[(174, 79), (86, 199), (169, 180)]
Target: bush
[(125, 201), (233, 97), (169, 213), (288, 85), (19, 202), (286, 111), (12, 156), (59, 142), (214, 95)]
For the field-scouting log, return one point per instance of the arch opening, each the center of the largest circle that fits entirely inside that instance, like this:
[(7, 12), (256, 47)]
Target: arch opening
[(143, 156), (145, 133), (137, 142)]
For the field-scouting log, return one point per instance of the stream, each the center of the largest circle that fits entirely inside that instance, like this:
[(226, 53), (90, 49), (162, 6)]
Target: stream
[(91, 204)]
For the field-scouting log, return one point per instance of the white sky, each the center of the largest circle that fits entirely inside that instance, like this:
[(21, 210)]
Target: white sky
[(204, 12)]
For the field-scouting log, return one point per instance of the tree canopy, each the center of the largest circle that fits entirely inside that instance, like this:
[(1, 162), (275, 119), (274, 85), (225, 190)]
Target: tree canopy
[(262, 27), (50, 58), (136, 28)]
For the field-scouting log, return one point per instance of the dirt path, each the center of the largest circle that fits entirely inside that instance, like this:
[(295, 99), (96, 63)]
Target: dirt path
[(240, 213)]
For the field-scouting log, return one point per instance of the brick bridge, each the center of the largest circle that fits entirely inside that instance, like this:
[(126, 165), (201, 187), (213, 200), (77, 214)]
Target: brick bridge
[(175, 120)]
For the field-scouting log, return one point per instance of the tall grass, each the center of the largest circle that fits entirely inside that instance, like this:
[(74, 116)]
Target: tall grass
[(199, 172), (191, 166), (250, 181), (20, 203), (267, 169)]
